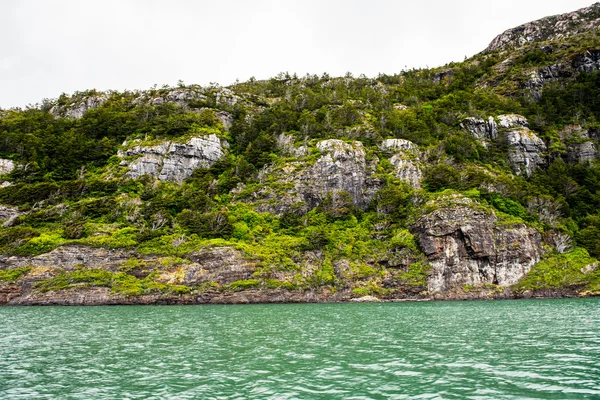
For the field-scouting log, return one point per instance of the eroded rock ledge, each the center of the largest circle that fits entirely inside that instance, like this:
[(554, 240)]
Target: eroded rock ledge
[(470, 246)]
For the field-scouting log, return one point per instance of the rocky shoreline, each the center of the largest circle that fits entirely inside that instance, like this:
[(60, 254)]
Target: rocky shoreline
[(12, 296)]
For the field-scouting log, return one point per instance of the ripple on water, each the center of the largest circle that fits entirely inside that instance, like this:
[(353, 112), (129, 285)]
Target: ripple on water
[(470, 350)]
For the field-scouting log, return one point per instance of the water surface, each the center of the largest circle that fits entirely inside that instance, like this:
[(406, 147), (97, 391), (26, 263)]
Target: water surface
[(536, 349)]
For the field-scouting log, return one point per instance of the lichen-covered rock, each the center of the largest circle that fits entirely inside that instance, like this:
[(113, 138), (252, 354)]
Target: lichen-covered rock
[(171, 161), (302, 185), (286, 143), (398, 145), (525, 152), (407, 170), (467, 246)]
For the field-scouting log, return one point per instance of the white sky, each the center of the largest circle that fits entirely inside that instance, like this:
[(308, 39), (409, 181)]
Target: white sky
[(49, 47)]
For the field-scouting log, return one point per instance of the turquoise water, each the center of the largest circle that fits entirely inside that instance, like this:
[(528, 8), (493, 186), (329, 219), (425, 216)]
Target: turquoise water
[(536, 349)]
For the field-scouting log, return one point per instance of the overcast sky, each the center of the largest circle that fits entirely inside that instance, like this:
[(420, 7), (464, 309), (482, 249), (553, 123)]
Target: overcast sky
[(53, 46)]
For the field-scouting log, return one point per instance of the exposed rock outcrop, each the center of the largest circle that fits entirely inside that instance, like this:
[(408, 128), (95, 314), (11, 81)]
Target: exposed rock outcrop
[(406, 160), (218, 264), (171, 161), (581, 146), (525, 151), (587, 62), (583, 153), (6, 166), (78, 107), (525, 148), (8, 215), (481, 130), (342, 166), (549, 28), (67, 258), (468, 246)]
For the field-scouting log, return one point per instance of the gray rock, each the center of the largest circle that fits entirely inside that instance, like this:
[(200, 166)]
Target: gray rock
[(407, 170), (78, 107), (405, 159), (481, 130), (341, 167), (6, 166), (466, 246), (8, 215), (223, 265), (172, 161), (69, 257), (583, 153), (398, 145), (509, 121), (587, 62), (525, 152), (549, 28)]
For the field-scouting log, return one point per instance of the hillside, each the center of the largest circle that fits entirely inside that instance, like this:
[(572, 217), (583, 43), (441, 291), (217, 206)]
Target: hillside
[(478, 179)]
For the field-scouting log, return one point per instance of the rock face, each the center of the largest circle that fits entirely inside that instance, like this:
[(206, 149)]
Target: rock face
[(481, 130), (549, 28), (583, 153), (342, 166), (217, 265), (79, 107), (220, 264), (466, 246), (587, 62), (172, 161), (525, 151), (525, 148), (68, 257), (405, 159), (581, 146)]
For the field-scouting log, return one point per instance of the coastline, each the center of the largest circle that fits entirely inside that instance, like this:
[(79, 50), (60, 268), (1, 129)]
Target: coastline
[(12, 296)]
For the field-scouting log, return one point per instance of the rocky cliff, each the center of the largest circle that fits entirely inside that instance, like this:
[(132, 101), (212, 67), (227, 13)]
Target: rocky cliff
[(549, 28), (470, 246), (171, 161)]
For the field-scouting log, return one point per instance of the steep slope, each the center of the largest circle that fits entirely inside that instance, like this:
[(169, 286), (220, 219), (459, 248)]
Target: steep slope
[(478, 179), (550, 28)]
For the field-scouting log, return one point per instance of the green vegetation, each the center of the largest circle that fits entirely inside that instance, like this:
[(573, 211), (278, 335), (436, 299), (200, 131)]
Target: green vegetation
[(12, 275), (71, 186), (119, 283), (575, 269)]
